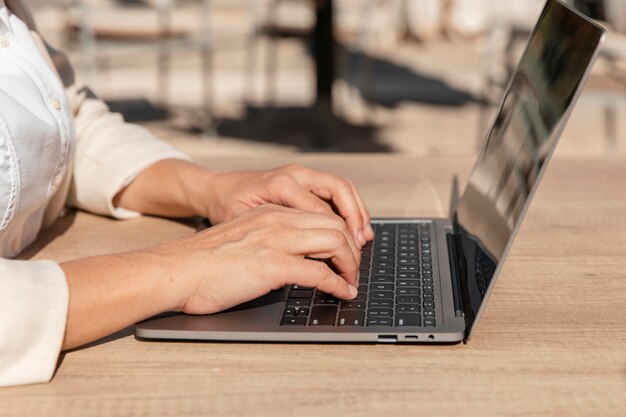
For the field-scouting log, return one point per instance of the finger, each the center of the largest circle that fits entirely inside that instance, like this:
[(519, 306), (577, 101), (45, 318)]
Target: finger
[(296, 196), (321, 244), (339, 191), (296, 219), (309, 273), (367, 227)]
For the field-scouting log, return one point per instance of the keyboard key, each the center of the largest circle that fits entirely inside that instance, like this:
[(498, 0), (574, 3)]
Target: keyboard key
[(323, 298), (381, 287), (352, 305), (403, 262), (379, 312), (428, 287), (381, 304), (351, 318), (302, 311), (363, 279), (408, 300), (384, 258), (298, 302), (408, 320), (379, 321), (293, 321), (363, 288), (408, 284), (381, 295), (429, 296), (408, 291), (325, 301), (360, 297), (408, 268), (408, 275), (429, 313), (383, 271), (382, 279), (300, 293), (289, 311), (429, 304), (384, 264), (429, 322), (323, 316), (408, 308)]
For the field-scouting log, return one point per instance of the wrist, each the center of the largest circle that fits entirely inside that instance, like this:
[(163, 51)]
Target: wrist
[(199, 187), (171, 288)]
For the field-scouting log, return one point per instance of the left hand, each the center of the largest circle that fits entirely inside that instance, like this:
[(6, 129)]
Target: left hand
[(229, 194)]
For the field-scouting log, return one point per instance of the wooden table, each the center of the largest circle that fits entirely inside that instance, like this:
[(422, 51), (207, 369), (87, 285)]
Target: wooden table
[(552, 340)]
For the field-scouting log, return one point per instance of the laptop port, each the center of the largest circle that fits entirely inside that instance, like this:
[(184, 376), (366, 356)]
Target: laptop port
[(387, 338), (411, 338), (431, 337)]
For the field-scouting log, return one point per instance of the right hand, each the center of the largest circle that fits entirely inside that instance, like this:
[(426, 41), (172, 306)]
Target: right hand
[(260, 251)]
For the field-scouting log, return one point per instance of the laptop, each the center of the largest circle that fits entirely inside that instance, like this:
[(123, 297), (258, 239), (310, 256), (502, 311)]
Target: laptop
[(428, 280)]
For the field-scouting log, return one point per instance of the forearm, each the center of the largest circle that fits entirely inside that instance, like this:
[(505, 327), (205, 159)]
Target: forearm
[(167, 189), (109, 293)]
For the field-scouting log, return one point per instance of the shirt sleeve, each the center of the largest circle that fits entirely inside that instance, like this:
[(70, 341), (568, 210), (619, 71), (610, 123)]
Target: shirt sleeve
[(33, 305), (109, 154)]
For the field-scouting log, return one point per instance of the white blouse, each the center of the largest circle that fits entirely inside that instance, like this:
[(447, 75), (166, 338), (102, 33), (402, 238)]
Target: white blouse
[(59, 144)]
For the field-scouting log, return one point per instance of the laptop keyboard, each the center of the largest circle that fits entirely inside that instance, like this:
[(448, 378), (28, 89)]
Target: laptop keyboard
[(395, 285)]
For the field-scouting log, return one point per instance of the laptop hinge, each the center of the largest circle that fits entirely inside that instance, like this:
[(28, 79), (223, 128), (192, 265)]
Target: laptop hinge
[(456, 279)]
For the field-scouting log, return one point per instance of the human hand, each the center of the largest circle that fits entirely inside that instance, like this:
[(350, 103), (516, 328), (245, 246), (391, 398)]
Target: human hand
[(261, 250), (228, 194)]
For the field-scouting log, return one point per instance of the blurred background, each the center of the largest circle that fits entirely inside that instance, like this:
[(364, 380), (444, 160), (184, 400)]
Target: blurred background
[(269, 77)]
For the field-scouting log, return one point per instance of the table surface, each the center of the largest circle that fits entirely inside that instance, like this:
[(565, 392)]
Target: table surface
[(552, 340)]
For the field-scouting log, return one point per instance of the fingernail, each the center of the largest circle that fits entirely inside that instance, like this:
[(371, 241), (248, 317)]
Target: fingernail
[(353, 290), (370, 231), (361, 237)]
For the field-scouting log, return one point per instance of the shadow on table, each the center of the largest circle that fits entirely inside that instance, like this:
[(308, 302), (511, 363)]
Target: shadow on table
[(296, 126), (47, 236), (388, 84), (382, 83), (128, 331)]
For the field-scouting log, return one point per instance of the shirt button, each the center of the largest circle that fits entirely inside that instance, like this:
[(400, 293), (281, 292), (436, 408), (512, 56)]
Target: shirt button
[(56, 104), (4, 41), (15, 245)]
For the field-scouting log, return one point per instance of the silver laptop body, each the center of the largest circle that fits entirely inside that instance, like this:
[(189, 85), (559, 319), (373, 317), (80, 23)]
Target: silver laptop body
[(433, 279)]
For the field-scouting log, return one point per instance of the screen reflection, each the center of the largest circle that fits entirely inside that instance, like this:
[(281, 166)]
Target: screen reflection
[(524, 133)]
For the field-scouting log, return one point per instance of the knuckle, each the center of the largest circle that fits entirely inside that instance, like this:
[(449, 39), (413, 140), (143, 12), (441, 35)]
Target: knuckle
[(293, 167), (279, 181), (322, 273), (337, 237), (344, 185), (335, 220), (323, 208)]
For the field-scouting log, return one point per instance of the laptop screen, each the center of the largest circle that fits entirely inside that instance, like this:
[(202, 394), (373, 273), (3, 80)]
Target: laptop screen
[(542, 90)]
